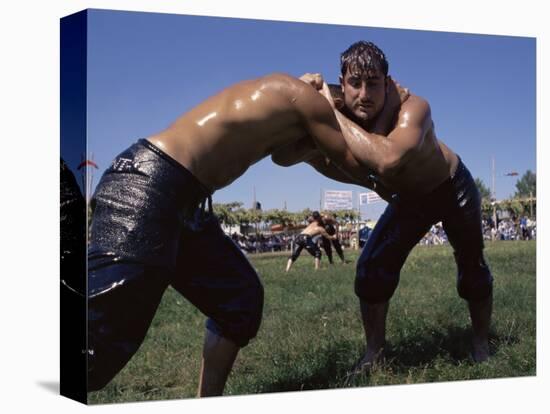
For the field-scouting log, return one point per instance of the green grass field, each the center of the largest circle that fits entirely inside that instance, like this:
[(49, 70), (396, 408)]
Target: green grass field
[(311, 335)]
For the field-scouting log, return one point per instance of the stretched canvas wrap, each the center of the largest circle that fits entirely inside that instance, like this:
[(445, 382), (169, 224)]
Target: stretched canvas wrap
[(164, 282)]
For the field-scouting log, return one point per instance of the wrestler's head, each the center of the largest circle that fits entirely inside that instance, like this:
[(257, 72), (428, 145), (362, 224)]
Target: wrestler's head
[(363, 80), (317, 217), (329, 219)]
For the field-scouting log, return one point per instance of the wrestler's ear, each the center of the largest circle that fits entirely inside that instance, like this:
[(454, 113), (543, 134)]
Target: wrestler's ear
[(387, 80), (338, 103)]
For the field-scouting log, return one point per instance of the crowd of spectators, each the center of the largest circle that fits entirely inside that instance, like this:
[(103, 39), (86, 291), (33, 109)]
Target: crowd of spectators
[(521, 228), (435, 236), (260, 243), (510, 229)]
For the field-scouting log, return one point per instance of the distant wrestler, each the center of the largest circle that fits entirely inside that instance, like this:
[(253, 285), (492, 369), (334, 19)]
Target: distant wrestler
[(306, 240), (330, 224), (151, 228)]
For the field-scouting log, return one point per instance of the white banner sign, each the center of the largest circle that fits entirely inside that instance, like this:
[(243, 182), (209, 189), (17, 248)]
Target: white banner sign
[(338, 200), (369, 198)]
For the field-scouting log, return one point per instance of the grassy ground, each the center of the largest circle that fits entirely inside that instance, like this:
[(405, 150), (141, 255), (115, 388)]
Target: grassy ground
[(311, 334)]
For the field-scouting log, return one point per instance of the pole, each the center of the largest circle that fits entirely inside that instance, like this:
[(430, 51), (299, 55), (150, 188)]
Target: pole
[(493, 190), (531, 203), (83, 175), (90, 178), (358, 218), (494, 195), (254, 197)]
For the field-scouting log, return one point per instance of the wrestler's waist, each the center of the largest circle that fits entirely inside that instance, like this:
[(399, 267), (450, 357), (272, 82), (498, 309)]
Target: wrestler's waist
[(145, 165), (458, 185)]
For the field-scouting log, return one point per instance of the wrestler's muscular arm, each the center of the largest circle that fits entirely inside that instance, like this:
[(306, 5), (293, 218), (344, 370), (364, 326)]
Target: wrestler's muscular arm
[(304, 150), (323, 165), (324, 233), (298, 151), (324, 148), (321, 125), (386, 154)]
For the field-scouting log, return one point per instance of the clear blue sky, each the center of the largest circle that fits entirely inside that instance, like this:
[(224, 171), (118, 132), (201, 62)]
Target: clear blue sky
[(146, 69)]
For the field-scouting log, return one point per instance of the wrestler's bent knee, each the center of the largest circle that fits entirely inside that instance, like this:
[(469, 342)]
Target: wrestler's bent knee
[(109, 349), (241, 318), (375, 283), (474, 282), (104, 365)]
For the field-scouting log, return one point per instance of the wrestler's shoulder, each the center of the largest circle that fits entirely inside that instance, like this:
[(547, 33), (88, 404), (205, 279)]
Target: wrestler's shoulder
[(416, 106), (278, 82), (416, 100)]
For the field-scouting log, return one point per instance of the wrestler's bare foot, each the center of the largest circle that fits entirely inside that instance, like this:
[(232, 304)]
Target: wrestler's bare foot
[(371, 359), (369, 362), (480, 351), (480, 315), (288, 265)]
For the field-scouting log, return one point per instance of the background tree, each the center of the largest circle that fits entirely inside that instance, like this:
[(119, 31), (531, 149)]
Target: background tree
[(483, 189), (255, 217), (486, 207), (226, 212), (302, 216), (526, 185), (514, 207), (276, 216), (345, 216)]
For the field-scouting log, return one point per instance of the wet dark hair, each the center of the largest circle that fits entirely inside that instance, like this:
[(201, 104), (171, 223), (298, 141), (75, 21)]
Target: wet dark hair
[(365, 57), (317, 217)]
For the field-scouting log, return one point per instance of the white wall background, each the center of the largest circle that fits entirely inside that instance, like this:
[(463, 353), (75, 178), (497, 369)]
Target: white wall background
[(29, 76)]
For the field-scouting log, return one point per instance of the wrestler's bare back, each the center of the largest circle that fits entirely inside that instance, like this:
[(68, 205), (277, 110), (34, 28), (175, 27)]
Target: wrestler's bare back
[(313, 229), (224, 135)]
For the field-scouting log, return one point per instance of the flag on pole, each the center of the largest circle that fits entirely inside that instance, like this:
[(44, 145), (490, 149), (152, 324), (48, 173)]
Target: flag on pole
[(86, 168), (87, 163)]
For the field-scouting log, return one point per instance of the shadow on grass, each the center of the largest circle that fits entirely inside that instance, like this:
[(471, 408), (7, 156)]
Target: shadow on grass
[(418, 350), (330, 367), (452, 344), (334, 365)]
